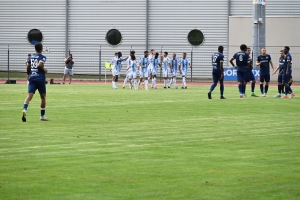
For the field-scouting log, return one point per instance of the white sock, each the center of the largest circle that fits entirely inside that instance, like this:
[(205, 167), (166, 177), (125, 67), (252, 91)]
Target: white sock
[(174, 81), (170, 82), (130, 82), (165, 82), (154, 81), (146, 84), (134, 83), (183, 81), (116, 84), (125, 81)]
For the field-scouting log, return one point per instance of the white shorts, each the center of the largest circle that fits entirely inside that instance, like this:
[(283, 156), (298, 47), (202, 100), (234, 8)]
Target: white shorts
[(68, 71), (115, 72), (166, 73), (152, 72), (183, 74), (174, 73), (132, 75), (143, 74)]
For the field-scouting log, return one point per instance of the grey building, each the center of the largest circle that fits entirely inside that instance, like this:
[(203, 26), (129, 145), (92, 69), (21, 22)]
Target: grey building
[(83, 26)]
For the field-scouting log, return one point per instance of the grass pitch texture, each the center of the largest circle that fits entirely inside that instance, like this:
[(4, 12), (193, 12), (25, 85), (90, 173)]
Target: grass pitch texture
[(102, 143)]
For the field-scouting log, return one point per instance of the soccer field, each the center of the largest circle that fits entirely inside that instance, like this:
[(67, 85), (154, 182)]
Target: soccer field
[(102, 143)]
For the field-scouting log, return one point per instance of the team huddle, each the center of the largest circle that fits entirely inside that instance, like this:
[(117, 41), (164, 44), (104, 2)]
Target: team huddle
[(244, 66), (147, 67)]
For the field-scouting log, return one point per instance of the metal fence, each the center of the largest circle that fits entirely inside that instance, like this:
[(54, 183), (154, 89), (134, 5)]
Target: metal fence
[(89, 59)]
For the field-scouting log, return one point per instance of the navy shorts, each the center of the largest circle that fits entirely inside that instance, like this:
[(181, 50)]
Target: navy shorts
[(286, 78), (279, 80), (216, 77), (242, 76), (37, 85), (250, 76), (265, 77)]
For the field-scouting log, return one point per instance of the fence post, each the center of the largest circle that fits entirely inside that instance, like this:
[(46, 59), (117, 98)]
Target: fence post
[(100, 64), (8, 63), (192, 64)]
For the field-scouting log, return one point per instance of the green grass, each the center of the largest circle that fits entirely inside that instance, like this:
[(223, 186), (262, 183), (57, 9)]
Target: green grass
[(102, 143)]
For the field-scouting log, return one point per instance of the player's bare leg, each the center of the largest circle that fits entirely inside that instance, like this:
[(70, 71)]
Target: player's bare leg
[(70, 79), (64, 78), (43, 107)]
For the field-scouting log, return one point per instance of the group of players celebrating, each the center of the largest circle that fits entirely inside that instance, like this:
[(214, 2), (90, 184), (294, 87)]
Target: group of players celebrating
[(244, 66), (147, 67)]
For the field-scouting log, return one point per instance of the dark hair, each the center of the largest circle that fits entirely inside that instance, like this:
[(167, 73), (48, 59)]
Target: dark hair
[(71, 55), (29, 54), (287, 48), (119, 54), (132, 57), (220, 49), (152, 49), (156, 55), (116, 53), (184, 53), (132, 52), (166, 53), (38, 47), (243, 47), (145, 51), (174, 54)]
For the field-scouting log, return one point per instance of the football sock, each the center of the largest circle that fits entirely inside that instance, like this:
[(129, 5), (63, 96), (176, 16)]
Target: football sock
[(252, 87), (212, 87), (165, 82), (174, 81), (170, 82), (125, 81), (279, 89), (282, 89), (240, 88), (287, 88), (183, 81), (25, 106), (244, 88), (261, 88), (43, 111), (266, 89), (222, 89), (146, 84)]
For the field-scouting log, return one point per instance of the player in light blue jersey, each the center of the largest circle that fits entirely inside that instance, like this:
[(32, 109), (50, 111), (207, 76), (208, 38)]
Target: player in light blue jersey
[(36, 80), (183, 69), (155, 64), (133, 65), (150, 66), (217, 60), (166, 68), (128, 70), (144, 63), (111, 65), (175, 62), (117, 61), (242, 65)]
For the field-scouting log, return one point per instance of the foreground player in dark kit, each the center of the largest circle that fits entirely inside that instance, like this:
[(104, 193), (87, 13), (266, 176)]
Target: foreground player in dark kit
[(264, 61), (217, 60), (242, 65), (36, 80)]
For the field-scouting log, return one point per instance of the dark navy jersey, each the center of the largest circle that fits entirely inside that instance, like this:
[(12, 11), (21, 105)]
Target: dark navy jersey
[(241, 61), (265, 63), (216, 60), (250, 67), (281, 64), (35, 73), (288, 58)]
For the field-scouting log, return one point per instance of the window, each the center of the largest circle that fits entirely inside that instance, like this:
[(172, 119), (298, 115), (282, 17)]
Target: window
[(113, 37), (34, 36), (195, 37)]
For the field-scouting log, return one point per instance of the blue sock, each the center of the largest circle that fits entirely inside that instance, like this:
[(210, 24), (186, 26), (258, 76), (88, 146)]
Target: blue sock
[(279, 89), (266, 89), (287, 89), (212, 87), (43, 111), (240, 89), (25, 106), (244, 89), (290, 91), (252, 87), (261, 88), (222, 89)]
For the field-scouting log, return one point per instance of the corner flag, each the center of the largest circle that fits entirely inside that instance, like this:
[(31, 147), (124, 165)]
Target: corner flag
[(107, 65)]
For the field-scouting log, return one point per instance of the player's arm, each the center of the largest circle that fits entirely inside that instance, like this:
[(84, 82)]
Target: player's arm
[(222, 69), (258, 62), (41, 66), (274, 72), (272, 64), (231, 61), (288, 67), (68, 60), (72, 62), (249, 63)]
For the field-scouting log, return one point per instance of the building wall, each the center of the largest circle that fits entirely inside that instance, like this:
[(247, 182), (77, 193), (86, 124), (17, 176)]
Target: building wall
[(280, 32)]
